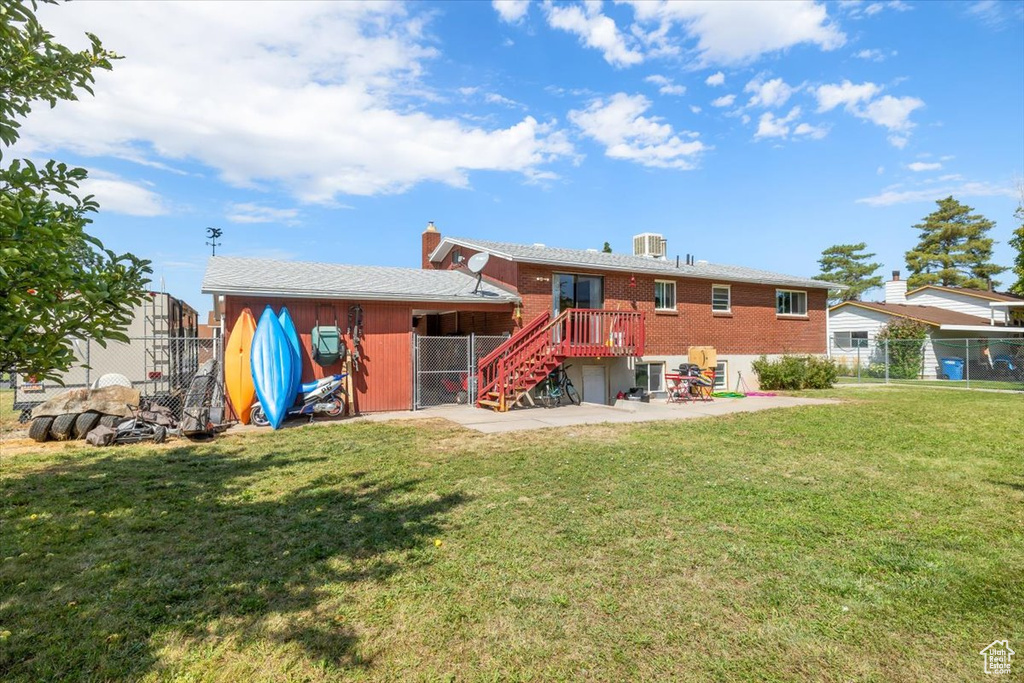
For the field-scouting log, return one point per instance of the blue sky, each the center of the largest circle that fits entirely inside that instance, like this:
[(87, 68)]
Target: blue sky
[(747, 133)]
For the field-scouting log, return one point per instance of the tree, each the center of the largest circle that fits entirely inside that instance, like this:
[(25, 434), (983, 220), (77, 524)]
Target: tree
[(903, 340), (953, 250), (607, 248), (845, 264), (57, 281), (1017, 242)]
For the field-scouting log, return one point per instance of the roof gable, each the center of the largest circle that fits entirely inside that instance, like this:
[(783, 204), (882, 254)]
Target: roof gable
[(597, 260), (965, 291), (929, 315)]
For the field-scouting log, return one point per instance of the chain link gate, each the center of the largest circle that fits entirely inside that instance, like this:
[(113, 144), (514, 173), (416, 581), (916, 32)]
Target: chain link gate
[(444, 368)]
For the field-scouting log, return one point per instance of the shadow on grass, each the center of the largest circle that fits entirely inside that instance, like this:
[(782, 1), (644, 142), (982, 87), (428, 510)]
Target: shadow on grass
[(136, 549)]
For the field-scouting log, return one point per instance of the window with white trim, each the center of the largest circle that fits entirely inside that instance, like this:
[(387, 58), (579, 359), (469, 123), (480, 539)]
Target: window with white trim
[(456, 255), (722, 376), (721, 298), (650, 376), (665, 295), (852, 340), (790, 302)]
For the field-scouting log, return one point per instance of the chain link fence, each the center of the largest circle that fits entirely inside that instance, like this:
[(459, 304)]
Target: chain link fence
[(978, 362), (160, 367), (444, 368)]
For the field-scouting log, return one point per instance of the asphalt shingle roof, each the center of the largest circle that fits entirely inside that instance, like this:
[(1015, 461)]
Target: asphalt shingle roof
[(933, 315), (582, 258), (231, 275)]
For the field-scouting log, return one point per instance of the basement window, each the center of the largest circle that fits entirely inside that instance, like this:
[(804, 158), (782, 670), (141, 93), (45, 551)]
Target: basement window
[(650, 376)]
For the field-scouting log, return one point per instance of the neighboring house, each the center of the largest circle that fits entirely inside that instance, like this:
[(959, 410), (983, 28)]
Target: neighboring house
[(955, 318), (634, 315)]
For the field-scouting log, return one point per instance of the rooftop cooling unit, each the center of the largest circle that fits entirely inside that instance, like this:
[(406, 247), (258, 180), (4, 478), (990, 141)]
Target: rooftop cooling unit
[(649, 244)]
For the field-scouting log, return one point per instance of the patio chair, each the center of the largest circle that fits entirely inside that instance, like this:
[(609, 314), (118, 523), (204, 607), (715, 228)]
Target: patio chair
[(703, 385)]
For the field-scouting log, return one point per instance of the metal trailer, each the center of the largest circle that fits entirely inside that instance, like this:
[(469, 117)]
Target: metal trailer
[(161, 357)]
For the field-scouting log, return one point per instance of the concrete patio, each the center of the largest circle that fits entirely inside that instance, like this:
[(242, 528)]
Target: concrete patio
[(490, 422)]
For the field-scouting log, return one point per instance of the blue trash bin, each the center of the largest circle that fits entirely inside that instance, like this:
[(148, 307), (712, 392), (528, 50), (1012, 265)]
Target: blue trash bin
[(953, 368)]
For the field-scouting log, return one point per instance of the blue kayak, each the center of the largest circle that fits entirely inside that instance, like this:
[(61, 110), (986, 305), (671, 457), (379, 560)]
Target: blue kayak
[(293, 339), (273, 368)]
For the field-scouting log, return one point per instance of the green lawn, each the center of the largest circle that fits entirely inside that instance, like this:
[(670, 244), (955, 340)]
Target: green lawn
[(880, 540), (8, 416), (943, 383)]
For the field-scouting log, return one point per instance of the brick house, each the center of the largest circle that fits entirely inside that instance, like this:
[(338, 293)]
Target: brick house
[(616, 320), (742, 312)]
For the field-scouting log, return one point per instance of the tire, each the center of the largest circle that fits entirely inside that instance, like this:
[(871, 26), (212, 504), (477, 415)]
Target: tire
[(337, 408), (159, 434), (63, 426), (85, 423), (111, 421), (40, 429), (258, 417), (574, 396)]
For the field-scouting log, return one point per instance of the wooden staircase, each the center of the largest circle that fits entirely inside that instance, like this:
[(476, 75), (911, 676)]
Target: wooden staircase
[(507, 374)]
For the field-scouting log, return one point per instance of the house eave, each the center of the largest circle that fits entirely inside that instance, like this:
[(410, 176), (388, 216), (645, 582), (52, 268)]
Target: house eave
[(362, 296)]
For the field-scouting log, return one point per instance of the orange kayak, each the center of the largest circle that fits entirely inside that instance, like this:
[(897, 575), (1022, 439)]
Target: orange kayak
[(237, 365)]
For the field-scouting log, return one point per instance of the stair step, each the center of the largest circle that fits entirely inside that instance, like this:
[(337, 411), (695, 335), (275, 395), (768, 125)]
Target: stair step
[(488, 402)]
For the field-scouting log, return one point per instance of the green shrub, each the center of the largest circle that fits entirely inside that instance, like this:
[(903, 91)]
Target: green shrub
[(904, 339), (796, 372)]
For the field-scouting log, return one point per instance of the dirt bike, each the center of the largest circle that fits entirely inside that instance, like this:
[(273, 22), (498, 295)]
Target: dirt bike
[(319, 397)]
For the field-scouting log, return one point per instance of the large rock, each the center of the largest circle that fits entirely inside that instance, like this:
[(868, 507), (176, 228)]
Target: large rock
[(108, 400)]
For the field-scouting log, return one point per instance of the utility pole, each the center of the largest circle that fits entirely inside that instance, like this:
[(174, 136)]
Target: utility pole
[(213, 234)]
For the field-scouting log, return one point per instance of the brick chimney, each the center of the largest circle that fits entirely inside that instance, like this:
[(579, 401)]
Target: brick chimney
[(896, 289), (431, 238)]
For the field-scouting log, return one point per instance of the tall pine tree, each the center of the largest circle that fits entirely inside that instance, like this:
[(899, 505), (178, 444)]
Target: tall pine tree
[(953, 250), (1017, 242), (845, 264)]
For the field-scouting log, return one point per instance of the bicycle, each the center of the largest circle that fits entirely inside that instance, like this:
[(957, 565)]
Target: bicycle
[(556, 388)]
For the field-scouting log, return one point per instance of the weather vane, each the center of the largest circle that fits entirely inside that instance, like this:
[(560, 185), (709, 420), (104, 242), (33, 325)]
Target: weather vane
[(213, 234)]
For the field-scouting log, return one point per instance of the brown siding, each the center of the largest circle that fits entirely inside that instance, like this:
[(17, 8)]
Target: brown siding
[(751, 328), (384, 380)]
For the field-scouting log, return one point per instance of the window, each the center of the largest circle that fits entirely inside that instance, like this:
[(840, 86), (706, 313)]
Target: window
[(456, 256), (851, 340), (722, 376), (665, 295), (577, 291), (790, 302), (721, 298), (650, 376)]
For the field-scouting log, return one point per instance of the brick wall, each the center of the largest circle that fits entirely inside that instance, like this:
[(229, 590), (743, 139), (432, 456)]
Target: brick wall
[(751, 328)]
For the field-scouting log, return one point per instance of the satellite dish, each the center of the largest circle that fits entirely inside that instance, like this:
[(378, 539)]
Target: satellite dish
[(477, 262), (476, 265)]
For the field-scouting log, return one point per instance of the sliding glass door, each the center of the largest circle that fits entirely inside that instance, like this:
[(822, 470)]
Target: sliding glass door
[(576, 291)]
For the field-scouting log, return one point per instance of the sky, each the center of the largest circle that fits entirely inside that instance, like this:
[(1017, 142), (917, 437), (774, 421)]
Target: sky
[(754, 134)]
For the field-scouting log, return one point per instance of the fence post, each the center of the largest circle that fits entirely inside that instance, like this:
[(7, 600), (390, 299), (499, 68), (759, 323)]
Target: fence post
[(967, 362), (886, 343), (88, 370), (415, 371), (471, 370), (858, 364)]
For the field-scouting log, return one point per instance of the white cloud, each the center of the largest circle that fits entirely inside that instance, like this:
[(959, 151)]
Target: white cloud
[(595, 30), (812, 132), (969, 189), (773, 93), (771, 126), (249, 212), (511, 11), (695, 109), (666, 86), (723, 101), (891, 112), (858, 9), (861, 100), (919, 166), (875, 55), (618, 124), (117, 195), (715, 79), (846, 93), (739, 32), (316, 98), (995, 14)]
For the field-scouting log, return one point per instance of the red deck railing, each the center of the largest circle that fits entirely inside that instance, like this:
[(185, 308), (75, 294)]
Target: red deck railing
[(575, 333)]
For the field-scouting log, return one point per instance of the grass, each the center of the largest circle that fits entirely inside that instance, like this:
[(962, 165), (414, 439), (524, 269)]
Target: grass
[(880, 539), (8, 415), (1007, 385)]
